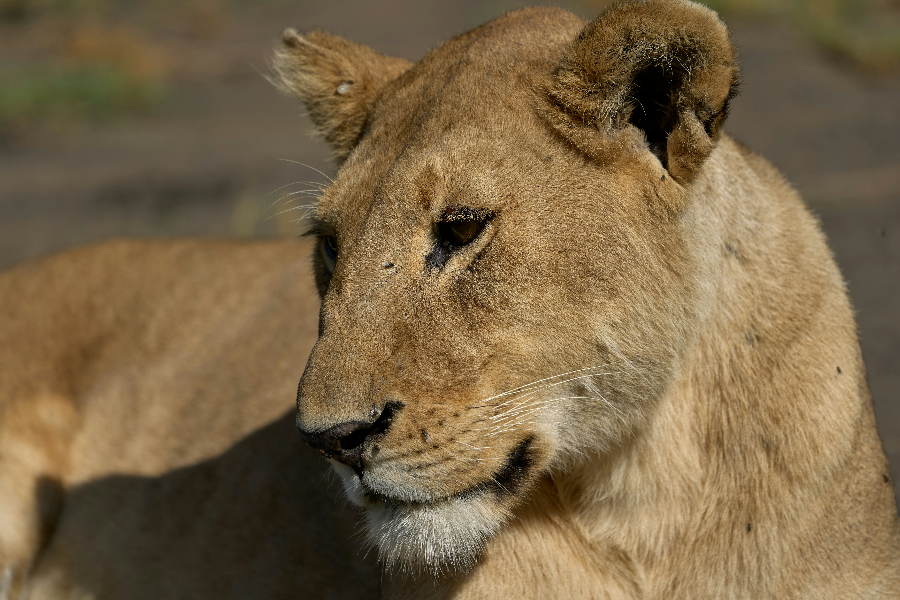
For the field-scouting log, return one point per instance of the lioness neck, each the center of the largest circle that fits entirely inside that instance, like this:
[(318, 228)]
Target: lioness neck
[(764, 441)]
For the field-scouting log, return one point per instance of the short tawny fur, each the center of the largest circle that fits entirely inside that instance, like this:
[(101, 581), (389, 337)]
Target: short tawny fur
[(640, 380)]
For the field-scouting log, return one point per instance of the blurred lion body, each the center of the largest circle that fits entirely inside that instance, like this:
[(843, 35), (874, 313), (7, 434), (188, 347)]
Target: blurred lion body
[(145, 448), (652, 296)]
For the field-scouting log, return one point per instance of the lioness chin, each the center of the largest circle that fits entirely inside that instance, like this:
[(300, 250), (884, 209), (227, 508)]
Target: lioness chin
[(574, 342)]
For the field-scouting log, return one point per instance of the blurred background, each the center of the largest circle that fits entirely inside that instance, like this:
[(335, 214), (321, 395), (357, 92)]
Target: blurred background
[(154, 118)]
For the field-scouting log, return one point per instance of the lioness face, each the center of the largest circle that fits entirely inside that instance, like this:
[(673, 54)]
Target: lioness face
[(497, 301)]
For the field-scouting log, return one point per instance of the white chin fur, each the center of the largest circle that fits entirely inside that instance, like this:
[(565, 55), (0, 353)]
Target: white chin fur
[(438, 537)]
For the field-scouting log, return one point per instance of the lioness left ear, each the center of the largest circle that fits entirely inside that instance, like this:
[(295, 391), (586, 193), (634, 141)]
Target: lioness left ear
[(664, 67), (337, 80)]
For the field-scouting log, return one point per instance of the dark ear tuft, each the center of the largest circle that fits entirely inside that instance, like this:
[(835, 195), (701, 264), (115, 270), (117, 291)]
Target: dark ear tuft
[(336, 79), (666, 67)]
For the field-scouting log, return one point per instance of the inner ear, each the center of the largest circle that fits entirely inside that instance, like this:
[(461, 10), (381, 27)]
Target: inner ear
[(665, 67), (652, 102)]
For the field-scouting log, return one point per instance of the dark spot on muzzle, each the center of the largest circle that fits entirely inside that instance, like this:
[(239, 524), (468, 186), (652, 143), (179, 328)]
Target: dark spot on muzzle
[(515, 468)]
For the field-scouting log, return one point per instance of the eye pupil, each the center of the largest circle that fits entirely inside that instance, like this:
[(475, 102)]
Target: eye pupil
[(461, 224), (456, 228), (462, 232)]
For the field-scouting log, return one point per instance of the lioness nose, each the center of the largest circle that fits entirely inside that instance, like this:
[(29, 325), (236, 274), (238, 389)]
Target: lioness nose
[(345, 442)]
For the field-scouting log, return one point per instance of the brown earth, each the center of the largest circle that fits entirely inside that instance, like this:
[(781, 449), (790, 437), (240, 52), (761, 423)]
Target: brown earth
[(209, 161)]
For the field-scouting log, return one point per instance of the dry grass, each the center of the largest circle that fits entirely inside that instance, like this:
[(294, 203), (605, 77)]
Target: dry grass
[(65, 93)]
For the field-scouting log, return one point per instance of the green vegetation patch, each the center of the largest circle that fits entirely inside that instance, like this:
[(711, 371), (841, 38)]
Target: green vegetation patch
[(59, 92), (867, 32)]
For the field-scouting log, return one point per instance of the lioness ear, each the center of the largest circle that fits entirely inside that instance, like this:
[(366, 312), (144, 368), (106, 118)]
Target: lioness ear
[(336, 79), (665, 67)]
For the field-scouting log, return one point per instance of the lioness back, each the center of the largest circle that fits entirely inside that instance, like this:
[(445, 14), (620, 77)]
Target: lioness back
[(574, 342)]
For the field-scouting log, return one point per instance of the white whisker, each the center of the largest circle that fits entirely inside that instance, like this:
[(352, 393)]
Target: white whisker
[(309, 193), (308, 167), (318, 184), (533, 384), (471, 446), (549, 385)]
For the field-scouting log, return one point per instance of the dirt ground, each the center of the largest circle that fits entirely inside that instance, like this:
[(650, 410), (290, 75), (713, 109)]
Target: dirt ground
[(207, 163)]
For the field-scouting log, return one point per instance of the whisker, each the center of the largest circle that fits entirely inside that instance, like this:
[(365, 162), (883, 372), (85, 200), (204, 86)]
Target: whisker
[(476, 460), (611, 405), (287, 210), (318, 184), (539, 381), (549, 385), (523, 414), (311, 193), (625, 358), (500, 485), (305, 216), (308, 167), (511, 414), (512, 427), (471, 446)]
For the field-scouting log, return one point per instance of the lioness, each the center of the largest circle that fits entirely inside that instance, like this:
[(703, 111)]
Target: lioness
[(574, 342)]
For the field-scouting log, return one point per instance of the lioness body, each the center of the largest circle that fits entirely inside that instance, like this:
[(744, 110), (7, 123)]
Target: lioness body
[(145, 387), (574, 342)]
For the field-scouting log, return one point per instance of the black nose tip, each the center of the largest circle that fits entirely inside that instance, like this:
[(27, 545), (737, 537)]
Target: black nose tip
[(345, 442)]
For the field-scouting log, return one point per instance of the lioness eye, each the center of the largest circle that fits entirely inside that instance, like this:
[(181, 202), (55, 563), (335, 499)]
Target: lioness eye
[(457, 227), (328, 251), (461, 224), (458, 233)]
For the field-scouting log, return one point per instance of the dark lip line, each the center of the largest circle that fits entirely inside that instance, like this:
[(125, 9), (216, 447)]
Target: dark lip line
[(505, 481)]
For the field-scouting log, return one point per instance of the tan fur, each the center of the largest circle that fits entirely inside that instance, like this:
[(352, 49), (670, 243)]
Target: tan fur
[(692, 436), (146, 448), (640, 379)]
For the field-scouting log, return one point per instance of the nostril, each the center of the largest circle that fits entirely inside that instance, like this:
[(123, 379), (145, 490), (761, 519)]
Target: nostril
[(356, 438), (387, 417), (344, 442), (355, 434)]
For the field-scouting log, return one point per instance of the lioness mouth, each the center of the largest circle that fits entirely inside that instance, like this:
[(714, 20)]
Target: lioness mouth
[(506, 481)]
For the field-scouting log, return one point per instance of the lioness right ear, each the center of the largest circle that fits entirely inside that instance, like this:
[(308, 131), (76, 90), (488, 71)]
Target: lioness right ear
[(666, 68), (337, 80)]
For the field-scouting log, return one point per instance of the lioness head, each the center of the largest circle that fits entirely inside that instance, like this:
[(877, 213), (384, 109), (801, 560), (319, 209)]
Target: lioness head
[(506, 289)]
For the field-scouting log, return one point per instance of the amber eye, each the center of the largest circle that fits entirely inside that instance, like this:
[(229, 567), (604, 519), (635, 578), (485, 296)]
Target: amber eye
[(461, 224), (458, 233)]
